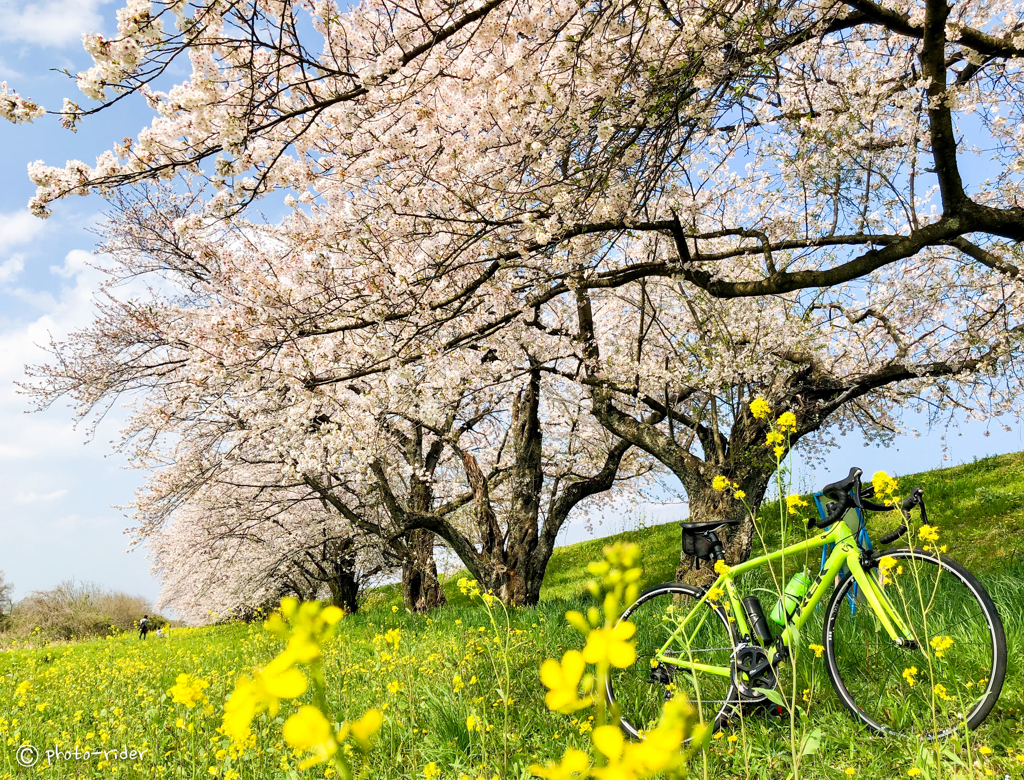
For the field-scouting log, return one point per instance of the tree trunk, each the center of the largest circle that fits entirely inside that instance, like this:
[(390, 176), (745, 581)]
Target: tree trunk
[(345, 590), (421, 589), (526, 482)]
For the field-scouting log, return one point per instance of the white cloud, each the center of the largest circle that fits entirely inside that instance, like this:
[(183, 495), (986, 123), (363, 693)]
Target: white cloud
[(51, 434), (11, 267), (7, 72), (51, 22), (19, 227), (32, 498)]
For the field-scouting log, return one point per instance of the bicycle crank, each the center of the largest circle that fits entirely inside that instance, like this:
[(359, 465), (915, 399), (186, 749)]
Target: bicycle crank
[(752, 673)]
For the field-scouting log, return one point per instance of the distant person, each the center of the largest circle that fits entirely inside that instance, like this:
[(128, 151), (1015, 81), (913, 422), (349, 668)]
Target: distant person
[(143, 626)]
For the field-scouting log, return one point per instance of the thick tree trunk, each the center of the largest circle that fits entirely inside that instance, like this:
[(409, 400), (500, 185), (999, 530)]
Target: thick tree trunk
[(421, 589), (345, 590), (526, 482)]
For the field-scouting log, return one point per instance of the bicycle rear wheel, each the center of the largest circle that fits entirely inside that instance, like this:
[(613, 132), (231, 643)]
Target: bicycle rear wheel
[(949, 680), (640, 692)]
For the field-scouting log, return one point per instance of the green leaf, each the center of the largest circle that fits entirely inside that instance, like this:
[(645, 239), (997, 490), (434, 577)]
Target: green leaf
[(773, 696), (811, 743)]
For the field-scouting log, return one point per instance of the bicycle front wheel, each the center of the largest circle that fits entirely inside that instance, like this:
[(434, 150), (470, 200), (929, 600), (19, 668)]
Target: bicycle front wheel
[(947, 679), (639, 692)]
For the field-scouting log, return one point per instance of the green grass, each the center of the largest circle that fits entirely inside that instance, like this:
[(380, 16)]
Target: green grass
[(105, 694)]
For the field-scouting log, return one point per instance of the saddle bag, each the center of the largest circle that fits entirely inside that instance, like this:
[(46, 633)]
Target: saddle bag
[(698, 546)]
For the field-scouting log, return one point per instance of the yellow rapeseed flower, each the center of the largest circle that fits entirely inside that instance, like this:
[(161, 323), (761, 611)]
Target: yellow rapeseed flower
[(818, 650), (611, 645), (721, 483), (883, 484), (308, 729), (760, 408), (786, 422), (910, 675), (563, 681), (928, 533), (366, 728), (794, 502), (279, 680), (940, 644), (574, 764), (188, 690)]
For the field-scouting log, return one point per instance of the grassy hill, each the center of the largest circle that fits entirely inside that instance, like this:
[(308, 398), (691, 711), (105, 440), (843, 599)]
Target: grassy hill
[(449, 665)]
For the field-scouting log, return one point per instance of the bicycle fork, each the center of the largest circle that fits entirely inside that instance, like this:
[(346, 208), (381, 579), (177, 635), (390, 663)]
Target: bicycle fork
[(884, 611)]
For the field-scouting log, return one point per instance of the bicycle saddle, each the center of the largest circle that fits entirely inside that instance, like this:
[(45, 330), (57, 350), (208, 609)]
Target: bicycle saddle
[(708, 525)]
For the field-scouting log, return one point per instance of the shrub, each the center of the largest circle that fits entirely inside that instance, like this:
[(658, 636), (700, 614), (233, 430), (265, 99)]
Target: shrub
[(75, 610)]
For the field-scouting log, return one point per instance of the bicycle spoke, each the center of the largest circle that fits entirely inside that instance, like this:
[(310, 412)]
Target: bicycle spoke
[(640, 691), (925, 691)]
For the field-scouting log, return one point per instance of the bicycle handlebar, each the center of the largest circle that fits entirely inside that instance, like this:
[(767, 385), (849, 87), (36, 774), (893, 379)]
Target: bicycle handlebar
[(848, 492)]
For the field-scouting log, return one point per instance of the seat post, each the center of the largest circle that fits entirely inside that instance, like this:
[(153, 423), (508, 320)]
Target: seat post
[(717, 550)]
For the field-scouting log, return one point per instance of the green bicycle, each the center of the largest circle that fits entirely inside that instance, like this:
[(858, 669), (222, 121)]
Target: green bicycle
[(913, 643)]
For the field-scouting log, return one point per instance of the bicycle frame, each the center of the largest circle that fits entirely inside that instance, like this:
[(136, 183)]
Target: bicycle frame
[(845, 552)]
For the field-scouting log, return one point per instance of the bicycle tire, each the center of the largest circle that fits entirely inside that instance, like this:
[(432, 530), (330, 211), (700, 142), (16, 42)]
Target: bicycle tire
[(977, 639), (638, 703)]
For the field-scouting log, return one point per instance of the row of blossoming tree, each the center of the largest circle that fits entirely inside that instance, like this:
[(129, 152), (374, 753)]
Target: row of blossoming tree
[(526, 256)]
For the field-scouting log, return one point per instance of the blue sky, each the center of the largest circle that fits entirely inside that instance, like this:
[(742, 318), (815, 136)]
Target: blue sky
[(58, 519)]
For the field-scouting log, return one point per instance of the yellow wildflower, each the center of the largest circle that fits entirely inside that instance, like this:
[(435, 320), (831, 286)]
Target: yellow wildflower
[(928, 533), (188, 690), (574, 763), (913, 771), (760, 408), (305, 626), (786, 422), (563, 681), (883, 484), (940, 644), (910, 675), (721, 567), (818, 650), (720, 482), (941, 692), (611, 645), (366, 728), (885, 565), (308, 729), (794, 502), (279, 680)]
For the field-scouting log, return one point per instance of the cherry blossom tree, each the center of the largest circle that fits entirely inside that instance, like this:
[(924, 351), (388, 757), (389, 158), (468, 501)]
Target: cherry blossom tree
[(239, 545), (676, 206)]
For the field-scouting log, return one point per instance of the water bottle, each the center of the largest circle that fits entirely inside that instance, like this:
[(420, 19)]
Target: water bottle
[(795, 590)]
